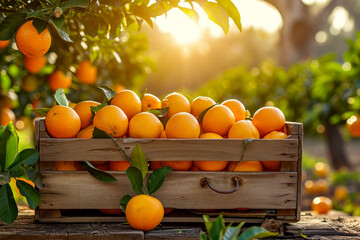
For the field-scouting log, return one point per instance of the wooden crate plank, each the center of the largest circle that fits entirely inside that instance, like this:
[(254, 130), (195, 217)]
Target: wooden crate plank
[(299, 170), (182, 190), (52, 149)]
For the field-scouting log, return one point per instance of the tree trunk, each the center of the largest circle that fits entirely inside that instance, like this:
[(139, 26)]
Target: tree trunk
[(336, 147)]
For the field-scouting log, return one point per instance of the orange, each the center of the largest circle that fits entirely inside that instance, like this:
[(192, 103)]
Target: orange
[(150, 101), (310, 187), (7, 115), (210, 165), (34, 65), (111, 211), (246, 166), (144, 212), (243, 129), (86, 132), (321, 169), (341, 193), (72, 105), (237, 108), (218, 119), (103, 167), (62, 122), (168, 210), (86, 73), (30, 42), (4, 44), (321, 205), (128, 101), (119, 87), (155, 165), (182, 125), (58, 79), (119, 165), (65, 166), (199, 104), (176, 103), (273, 165), (268, 119), (112, 120), (322, 186), (178, 165), (29, 83), (163, 134), (353, 126), (194, 168), (84, 112), (145, 125)]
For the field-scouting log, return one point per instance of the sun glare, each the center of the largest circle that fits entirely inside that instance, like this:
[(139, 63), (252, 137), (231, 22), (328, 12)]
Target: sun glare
[(254, 13)]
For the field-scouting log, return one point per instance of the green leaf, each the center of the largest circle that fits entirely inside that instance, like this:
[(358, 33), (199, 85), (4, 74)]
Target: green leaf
[(41, 111), (35, 176), (4, 178), (36, 14), (75, 3), (217, 14), (27, 156), (136, 179), (57, 22), (138, 160), (191, 13), (156, 179), (30, 193), (159, 112), (8, 208), (65, 36), (98, 174), (8, 147), (94, 109), (215, 228), (248, 140), (202, 114), (60, 97), (256, 232), (233, 12), (100, 133), (231, 233), (143, 12), (2, 131), (124, 201), (10, 25), (40, 25), (17, 172), (203, 236), (108, 92)]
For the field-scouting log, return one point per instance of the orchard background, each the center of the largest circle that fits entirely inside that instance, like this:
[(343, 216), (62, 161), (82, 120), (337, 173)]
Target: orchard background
[(307, 64)]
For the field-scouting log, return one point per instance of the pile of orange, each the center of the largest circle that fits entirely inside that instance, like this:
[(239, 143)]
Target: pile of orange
[(128, 116)]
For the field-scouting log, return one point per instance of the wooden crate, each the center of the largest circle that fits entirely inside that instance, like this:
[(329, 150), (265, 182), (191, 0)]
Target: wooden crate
[(265, 194)]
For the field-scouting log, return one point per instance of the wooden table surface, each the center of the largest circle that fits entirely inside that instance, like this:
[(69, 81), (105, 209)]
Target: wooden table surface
[(314, 227)]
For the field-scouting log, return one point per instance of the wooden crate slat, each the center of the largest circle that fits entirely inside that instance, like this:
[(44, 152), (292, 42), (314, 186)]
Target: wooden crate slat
[(182, 190), (52, 149)]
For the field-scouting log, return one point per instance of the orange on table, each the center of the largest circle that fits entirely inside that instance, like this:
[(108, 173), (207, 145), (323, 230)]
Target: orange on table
[(65, 166), (353, 126), (62, 122), (310, 187), (322, 186), (178, 165), (341, 192), (128, 101), (149, 101), (119, 165), (176, 103), (321, 205), (30, 42), (4, 44), (237, 108), (210, 165), (86, 132), (7, 115), (246, 166), (111, 211), (29, 83), (243, 129), (59, 80), (144, 212), (182, 125), (218, 119), (155, 165), (273, 165), (86, 73), (199, 104), (112, 120), (321, 169), (145, 125), (84, 111), (268, 119), (34, 65), (163, 134)]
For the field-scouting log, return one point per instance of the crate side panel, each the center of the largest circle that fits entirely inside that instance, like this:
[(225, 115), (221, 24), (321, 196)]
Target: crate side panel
[(183, 190)]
